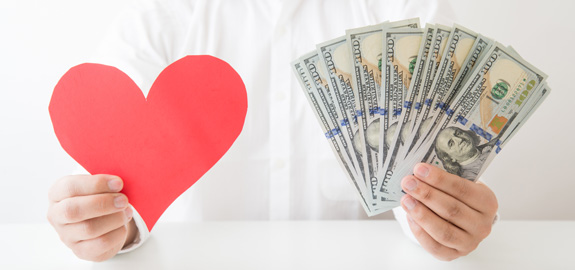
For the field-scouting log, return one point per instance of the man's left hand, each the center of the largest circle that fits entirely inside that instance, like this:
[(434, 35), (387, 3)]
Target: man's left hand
[(448, 215)]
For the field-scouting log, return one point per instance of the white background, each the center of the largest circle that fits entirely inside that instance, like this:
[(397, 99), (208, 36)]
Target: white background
[(41, 40)]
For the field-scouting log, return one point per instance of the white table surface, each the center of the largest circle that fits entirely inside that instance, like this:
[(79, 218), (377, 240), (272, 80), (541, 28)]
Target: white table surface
[(297, 245)]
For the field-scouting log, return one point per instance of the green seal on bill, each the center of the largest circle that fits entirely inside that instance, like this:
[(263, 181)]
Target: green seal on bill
[(500, 89), (412, 65)]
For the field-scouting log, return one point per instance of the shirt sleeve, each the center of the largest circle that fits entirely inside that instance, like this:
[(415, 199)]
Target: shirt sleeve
[(401, 217), (142, 235)]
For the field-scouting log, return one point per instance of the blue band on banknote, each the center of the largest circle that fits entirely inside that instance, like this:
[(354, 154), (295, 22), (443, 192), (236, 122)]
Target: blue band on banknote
[(462, 120), (440, 105), (330, 134), (498, 145), (479, 131), (418, 106)]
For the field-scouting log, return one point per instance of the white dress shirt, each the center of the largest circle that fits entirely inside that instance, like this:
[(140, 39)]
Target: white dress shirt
[(281, 166)]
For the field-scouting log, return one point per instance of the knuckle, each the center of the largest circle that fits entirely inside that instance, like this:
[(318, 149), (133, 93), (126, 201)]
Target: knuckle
[(420, 216), (462, 187), (417, 231), (448, 236), (56, 186), (101, 203), (437, 176), (70, 187), (109, 240), (434, 177), (453, 211), (88, 229), (426, 194), (71, 211)]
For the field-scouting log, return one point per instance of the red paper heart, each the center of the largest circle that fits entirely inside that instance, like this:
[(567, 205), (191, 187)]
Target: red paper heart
[(159, 146)]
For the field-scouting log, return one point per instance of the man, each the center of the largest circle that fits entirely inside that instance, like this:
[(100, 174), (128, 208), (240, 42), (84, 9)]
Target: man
[(460, 152), (280, 167)]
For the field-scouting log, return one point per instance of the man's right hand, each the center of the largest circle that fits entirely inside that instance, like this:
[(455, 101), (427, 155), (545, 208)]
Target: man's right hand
[(91, 216)]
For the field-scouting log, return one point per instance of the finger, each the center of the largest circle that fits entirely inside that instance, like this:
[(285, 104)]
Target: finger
[(82, 208), (95, 227), (447, 207), (102, 247), (476, 196), (436, 249), (442, 231), (82, 185)]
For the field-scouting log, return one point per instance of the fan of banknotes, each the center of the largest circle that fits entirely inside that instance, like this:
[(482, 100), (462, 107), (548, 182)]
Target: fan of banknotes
[(391, 95)]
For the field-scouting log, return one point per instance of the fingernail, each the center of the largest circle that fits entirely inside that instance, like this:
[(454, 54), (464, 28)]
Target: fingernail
[(409, 183), (120, 201), (115, 184), (409, 203), (421, 171), (129, 213)]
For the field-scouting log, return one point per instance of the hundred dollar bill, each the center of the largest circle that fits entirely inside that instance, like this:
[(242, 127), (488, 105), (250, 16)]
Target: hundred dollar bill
[(458, 45), (416, 90), (480, 115), (319, 74), (335, 55), (450, 78), (365, 47), (401, 48), (532, 106), (412, 92), (319, 104), (537, 97), (432, 69), (388, 132)]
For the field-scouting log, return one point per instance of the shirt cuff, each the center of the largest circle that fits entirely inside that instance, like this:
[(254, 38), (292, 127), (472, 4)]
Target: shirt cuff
[(142, 235), (401, 217), (496, 219)]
